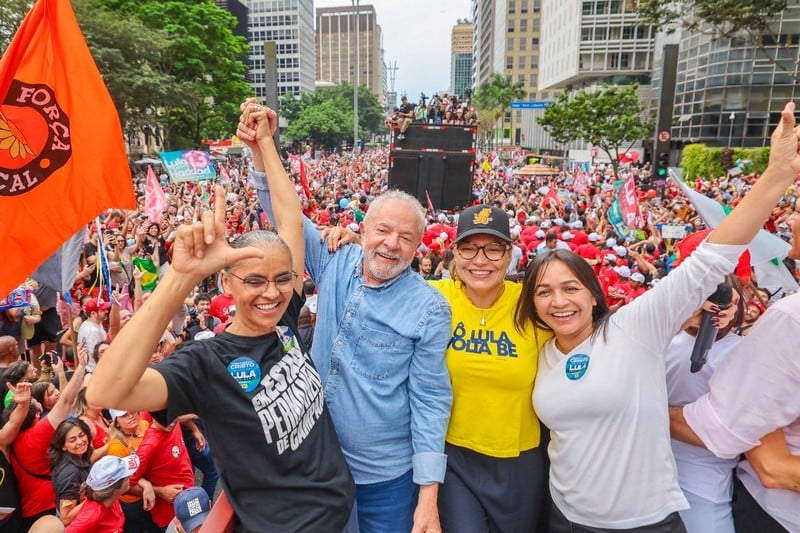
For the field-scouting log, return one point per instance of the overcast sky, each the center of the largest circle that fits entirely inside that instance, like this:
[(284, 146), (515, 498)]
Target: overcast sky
[(416, 34)]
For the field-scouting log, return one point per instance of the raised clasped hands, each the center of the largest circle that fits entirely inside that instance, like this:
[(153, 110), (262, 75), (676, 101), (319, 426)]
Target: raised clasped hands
[(201, 249), (256, 122)]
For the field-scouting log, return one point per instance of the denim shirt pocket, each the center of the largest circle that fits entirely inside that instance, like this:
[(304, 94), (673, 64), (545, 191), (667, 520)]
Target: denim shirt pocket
[(379, 353)]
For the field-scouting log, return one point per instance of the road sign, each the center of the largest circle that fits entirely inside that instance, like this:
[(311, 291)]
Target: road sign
[(529, 104), (664, 136)]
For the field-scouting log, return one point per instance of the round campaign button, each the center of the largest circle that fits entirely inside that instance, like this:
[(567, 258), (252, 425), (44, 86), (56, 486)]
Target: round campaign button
[(246, 373), (576, 366)]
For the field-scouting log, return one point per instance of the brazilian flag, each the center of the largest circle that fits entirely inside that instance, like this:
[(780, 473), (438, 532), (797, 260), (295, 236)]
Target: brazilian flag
[(149, 271)]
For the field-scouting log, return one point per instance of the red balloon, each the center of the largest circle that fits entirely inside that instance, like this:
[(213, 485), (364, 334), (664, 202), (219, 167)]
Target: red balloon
[(651, 193)]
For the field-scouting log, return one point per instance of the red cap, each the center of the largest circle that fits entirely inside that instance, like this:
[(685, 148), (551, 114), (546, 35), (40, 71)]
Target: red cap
[(95, 304), (688, 245)]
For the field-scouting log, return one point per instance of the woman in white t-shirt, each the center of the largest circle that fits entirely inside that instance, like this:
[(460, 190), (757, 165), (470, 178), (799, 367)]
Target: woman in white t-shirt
[(601, 388), (706, 480)]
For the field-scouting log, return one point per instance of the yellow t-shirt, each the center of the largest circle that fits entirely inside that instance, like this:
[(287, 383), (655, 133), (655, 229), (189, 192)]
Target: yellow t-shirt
[(119, 449), (492, 369)]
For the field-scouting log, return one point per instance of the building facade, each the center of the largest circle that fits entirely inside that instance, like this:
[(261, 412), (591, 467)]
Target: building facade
[(511, 48), (461, 58), (238, 10), (290, 24), (588, 43), (730, 94), (336, 42)]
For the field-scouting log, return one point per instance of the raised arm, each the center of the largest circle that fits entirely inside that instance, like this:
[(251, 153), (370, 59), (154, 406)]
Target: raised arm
[(742, 225), (122, 379), (263, 122), (22, 399)]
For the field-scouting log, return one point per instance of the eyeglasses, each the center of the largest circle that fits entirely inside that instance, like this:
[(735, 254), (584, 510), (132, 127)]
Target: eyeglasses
[(259, 284), (494, 251)]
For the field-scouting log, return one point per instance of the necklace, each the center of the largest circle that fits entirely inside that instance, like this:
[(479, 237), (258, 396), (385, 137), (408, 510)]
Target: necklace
[(485, 311)]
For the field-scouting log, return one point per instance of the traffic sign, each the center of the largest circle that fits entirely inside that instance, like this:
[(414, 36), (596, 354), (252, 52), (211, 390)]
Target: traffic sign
[(664, 136), (529, 104)]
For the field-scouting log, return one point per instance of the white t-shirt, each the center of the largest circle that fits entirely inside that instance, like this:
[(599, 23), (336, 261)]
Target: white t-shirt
[(699, 471), (91, 334), (605, 403)]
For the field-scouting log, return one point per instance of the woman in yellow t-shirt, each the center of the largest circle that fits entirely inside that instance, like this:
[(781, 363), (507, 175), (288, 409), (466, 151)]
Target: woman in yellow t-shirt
[(125, 436), (496, 470)]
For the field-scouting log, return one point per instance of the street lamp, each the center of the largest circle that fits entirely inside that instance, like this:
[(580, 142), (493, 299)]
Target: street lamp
[(731, 117), (355, 85)]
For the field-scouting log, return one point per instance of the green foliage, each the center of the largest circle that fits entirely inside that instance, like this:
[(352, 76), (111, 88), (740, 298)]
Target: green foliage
[(306, 112), (491, 101), (609, 117), (325, 123), (174, 64), (699, 160), (11, 14), (693, 161)]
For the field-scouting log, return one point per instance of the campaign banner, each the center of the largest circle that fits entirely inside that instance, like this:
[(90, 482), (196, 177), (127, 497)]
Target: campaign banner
[(615, 217), (188, 165)]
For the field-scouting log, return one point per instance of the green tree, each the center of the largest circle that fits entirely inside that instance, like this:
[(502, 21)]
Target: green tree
[(608, 117), (749, 20), (304, 108), (204, 60), (11, 14), (325, 124), (492, 100)]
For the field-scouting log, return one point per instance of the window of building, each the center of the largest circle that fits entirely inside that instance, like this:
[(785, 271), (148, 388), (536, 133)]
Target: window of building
[(523, 42), (509, 62), (521, 62), (588, 8), (535, 41), (512, 7), (523, 25), (600, 33), (509, 44), (510, 28), (523, 8)]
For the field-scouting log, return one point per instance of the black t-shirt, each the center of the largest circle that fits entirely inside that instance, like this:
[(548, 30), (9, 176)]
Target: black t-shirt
[(68, 476), (261, 399), (407, 107)]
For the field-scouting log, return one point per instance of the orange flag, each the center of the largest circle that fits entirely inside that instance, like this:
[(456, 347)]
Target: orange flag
[(62, 154)]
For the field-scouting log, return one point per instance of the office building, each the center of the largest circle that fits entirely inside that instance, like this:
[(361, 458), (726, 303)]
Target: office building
[(290, 24), (728, 93), (336, 42), (238, 10), (461, 58)]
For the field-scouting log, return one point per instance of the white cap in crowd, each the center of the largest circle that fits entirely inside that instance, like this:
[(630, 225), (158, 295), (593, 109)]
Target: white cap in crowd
[(623, 271)]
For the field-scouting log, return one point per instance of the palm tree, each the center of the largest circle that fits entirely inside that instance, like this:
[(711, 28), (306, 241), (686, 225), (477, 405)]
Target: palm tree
[(491, 101)]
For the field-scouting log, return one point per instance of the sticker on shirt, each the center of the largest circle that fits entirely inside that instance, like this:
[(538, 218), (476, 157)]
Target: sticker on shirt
[(286, 337), (246, 373), (577, 365), (176, 452)]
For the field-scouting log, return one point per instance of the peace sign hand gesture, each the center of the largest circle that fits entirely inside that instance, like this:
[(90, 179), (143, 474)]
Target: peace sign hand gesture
[(201, 249)]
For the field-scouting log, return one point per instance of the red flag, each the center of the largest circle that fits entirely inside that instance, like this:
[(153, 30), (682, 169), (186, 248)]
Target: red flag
[(155, 200), (549, 198), (303, 178), (62, 154), (629, 204), (430, 204)]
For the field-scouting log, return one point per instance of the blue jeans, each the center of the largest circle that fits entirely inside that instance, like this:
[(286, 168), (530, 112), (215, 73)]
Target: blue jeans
[(204, 462), (387, 507)]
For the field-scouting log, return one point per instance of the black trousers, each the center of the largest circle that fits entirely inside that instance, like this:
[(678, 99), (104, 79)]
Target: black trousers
[(748, 515), (560, 524)]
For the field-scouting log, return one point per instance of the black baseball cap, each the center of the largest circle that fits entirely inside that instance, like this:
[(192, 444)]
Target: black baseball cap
[(483, 220)]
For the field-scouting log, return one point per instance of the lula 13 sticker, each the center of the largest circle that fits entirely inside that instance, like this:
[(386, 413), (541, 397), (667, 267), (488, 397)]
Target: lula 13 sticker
[(576, 366), (246, 373)]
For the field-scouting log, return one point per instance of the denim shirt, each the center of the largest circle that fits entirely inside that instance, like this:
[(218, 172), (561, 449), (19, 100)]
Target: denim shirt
[(380, 353)]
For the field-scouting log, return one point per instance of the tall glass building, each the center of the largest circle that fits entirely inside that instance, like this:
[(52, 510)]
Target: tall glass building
[(290, 23), (728, 93)]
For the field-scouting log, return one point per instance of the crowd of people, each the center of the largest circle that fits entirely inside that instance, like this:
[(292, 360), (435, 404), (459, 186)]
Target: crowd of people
[(513, 365)]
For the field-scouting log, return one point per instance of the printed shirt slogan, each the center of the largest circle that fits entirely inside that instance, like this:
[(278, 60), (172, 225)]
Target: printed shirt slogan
[(290, 402), (485, 342)]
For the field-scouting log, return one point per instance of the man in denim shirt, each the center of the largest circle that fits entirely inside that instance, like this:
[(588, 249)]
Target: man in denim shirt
[(379, 347)]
